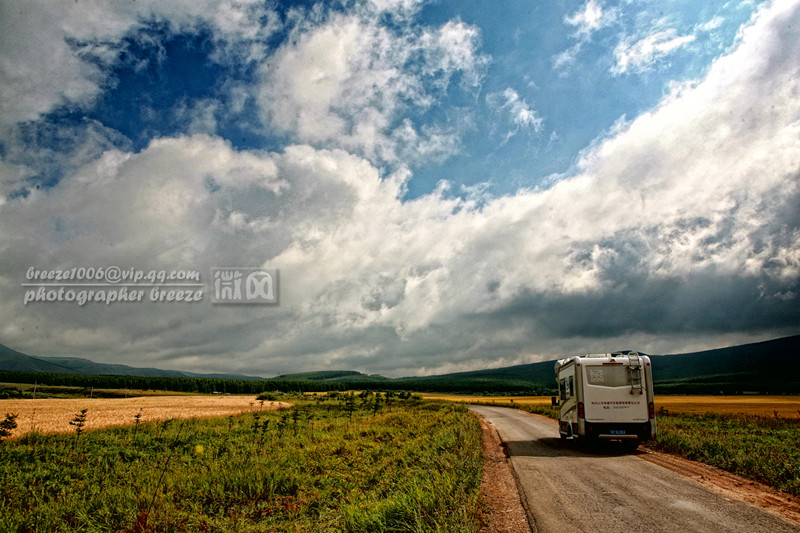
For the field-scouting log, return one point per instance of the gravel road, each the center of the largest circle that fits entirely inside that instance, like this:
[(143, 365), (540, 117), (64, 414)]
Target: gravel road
[(569, 488)]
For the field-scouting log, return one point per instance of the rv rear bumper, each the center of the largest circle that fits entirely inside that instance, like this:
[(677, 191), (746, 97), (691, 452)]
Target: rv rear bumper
[(618, 431), (609, 436)]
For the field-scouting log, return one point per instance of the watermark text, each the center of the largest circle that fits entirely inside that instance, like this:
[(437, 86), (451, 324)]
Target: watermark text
[(109, 285)]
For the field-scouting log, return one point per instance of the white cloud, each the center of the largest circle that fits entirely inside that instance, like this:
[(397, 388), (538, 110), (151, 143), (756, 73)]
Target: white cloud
[(712, 24), (590, 18), (60, 53), (451, 49), (516, 110), (587, 20), (564, 60), (198, 117), (346, 81), (689, 209), (521, 114), (641, 55)]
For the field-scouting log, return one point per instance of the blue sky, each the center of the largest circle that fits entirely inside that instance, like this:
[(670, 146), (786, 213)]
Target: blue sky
[(442, 185), (563, 69)]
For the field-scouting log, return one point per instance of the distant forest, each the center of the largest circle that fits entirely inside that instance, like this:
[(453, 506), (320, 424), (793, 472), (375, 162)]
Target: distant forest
[(249, 386)]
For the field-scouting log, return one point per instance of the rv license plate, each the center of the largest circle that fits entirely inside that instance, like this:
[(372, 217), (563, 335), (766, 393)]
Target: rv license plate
[(618, 432)]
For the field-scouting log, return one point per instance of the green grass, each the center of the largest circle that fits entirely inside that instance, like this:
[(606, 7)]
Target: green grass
[(411, 466), (765, 449)]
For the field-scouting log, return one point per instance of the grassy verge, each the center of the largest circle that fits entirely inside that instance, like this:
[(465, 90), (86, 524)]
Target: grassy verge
[(765, 449), (330, 465)]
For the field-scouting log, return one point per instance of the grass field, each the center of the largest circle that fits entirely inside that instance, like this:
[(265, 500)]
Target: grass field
[(757, 437), (332, 463), (348, 464), (762, 448), (53, 415)]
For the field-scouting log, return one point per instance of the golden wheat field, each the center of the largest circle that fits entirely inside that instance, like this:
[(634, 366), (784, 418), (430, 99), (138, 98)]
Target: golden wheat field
[(785, 406), (500, 400), (53, 415)]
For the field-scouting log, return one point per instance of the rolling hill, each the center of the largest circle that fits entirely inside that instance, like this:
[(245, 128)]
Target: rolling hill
[(331, 375), (771, 366), (14, 361), (765, 367)]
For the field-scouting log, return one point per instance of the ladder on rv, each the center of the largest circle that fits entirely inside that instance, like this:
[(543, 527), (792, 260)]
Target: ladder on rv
[(635, 372)]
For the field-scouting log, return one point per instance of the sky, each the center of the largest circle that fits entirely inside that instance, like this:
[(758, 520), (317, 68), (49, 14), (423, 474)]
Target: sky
[(436, 186)]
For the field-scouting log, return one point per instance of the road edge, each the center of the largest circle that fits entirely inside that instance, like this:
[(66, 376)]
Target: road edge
[(506, 511), (728, 484)]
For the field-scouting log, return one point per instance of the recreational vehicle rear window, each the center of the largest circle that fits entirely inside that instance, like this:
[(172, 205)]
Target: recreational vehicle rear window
[(566, 388), (608, 376)]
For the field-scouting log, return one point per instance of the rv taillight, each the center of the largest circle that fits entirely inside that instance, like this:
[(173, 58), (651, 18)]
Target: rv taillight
[(581, 412), (651, 409)]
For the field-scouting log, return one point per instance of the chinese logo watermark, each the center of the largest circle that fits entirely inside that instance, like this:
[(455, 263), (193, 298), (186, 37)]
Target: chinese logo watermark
[(114, 285), (236, 285)]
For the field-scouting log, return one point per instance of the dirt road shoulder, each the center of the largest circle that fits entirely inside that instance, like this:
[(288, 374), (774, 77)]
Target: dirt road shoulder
[(504, 510), (727, 484)]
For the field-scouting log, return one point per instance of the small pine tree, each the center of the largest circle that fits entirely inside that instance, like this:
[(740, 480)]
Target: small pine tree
[(283, 422), (365, 399), (350, 404), (264, 427), (79, 422), (389, 399), (8, 425), (295, 418), (136, 419), (376, 404)]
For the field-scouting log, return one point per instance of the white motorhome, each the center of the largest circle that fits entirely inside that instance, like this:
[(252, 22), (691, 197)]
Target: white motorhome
[(606, 396)]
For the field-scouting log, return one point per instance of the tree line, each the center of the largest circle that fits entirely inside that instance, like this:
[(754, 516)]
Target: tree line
[(256, 386)]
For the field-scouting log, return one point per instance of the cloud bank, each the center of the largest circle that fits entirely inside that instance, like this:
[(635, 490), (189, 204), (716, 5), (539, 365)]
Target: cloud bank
[(679, 229)]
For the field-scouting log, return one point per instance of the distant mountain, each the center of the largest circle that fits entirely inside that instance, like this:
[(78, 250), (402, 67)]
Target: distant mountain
[(331, 375), (12, 360), (770, 366), (766, 367), (15, 361), (539, 373)]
